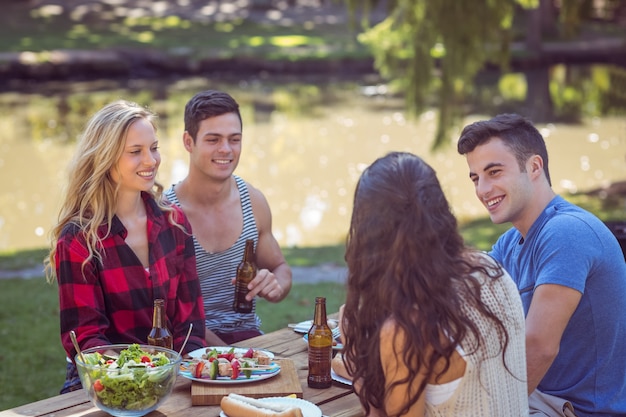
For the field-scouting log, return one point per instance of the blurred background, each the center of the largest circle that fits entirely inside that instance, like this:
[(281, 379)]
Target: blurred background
[(325, 87)]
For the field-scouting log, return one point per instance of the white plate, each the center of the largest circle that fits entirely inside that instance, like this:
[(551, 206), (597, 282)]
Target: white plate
[(256, 375), (304, 326), (338, 378), (338, 346), (308, 408)]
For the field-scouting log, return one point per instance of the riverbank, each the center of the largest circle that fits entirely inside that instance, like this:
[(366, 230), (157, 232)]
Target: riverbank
[(136, 39), (147, 40), (117, 63)]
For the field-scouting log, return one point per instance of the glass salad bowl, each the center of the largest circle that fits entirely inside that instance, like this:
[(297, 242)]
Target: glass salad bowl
[(128, 380)]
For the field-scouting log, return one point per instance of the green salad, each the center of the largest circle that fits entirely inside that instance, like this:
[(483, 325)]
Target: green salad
[(135, 380)]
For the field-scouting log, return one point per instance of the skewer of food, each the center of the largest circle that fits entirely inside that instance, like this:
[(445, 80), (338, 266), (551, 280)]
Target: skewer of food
[(230, 363)]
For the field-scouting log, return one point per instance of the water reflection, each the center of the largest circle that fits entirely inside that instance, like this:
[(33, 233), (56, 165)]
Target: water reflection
[(305, 154)]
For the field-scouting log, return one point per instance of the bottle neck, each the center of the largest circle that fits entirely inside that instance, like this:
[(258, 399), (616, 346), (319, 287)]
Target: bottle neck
[(157, 317), (248, 254), (320, 313)]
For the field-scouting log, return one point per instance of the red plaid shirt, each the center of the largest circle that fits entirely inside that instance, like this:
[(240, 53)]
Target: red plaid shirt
[(112, 302)]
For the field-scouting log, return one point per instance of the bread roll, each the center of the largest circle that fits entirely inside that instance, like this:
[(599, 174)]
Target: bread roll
[(235, 405), (340, 367)]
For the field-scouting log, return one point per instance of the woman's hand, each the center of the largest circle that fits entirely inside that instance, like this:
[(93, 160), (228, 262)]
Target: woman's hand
[(341, 324)]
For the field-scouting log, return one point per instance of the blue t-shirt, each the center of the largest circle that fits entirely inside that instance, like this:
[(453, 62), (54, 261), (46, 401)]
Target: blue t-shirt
[(571, 247)]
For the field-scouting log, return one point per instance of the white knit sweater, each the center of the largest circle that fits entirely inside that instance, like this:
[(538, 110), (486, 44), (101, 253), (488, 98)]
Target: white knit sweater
[(488, 389)]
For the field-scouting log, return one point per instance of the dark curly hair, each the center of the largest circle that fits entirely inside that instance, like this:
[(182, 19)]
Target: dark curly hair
[(407, 261)]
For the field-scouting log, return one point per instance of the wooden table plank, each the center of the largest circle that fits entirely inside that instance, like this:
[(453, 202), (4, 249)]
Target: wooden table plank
[(51, 405), (66, 410), (285, 383), (284, 342), (347, 406)]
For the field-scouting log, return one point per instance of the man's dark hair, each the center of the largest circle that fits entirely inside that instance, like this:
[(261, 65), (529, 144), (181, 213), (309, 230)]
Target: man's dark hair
[(517, 132), (209, 103)]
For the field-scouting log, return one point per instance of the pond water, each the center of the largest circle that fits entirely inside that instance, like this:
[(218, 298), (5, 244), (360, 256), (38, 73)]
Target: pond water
[(305, 145)]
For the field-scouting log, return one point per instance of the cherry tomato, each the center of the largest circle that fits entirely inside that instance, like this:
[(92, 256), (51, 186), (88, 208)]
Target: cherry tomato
[(97, 385), (145, 359)]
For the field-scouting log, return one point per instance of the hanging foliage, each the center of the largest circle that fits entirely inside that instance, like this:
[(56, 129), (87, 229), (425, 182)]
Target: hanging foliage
[(434, 48), (449, 38)]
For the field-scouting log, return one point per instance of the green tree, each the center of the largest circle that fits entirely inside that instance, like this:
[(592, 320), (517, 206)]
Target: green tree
[(450, 38), (434, 48)]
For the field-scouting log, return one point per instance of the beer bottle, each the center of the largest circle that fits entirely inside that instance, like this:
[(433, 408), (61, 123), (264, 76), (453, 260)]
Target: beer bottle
[(246, 271), (160, 335), (320, 348)]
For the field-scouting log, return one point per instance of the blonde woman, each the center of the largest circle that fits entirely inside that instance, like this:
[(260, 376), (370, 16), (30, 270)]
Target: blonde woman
[(118, 245)]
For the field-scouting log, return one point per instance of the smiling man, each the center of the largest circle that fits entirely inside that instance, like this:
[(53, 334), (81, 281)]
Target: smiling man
[(567, 265), (225, 211)]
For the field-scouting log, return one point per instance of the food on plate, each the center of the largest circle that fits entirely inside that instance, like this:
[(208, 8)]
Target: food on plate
[(227, 363), (339, 367), (235, 405)]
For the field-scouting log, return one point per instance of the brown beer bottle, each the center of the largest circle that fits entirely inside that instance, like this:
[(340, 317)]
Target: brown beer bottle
[(320, 348), (160, 335), (246, 271)]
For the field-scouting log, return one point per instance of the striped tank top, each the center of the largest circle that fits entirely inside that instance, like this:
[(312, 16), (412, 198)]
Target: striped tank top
[(215, 271)]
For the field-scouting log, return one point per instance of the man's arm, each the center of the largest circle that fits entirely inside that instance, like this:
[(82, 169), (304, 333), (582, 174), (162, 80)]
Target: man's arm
[(212, 339), (273, 280), (550, 310)]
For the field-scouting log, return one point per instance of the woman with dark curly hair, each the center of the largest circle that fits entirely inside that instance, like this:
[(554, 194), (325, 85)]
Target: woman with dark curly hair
[(431, 327)]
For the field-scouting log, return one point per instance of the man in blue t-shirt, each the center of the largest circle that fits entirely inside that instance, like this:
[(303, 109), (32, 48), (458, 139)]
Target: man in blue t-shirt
[(567, 265)]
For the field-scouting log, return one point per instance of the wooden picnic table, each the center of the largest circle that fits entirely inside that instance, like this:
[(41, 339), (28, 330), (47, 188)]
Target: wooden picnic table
[(338, 400)]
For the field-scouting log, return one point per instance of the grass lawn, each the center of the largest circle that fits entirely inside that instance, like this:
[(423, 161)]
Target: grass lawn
[(31, 356)]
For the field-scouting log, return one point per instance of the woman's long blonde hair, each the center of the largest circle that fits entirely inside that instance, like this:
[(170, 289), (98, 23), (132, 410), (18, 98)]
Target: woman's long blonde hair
[(91, 194)]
